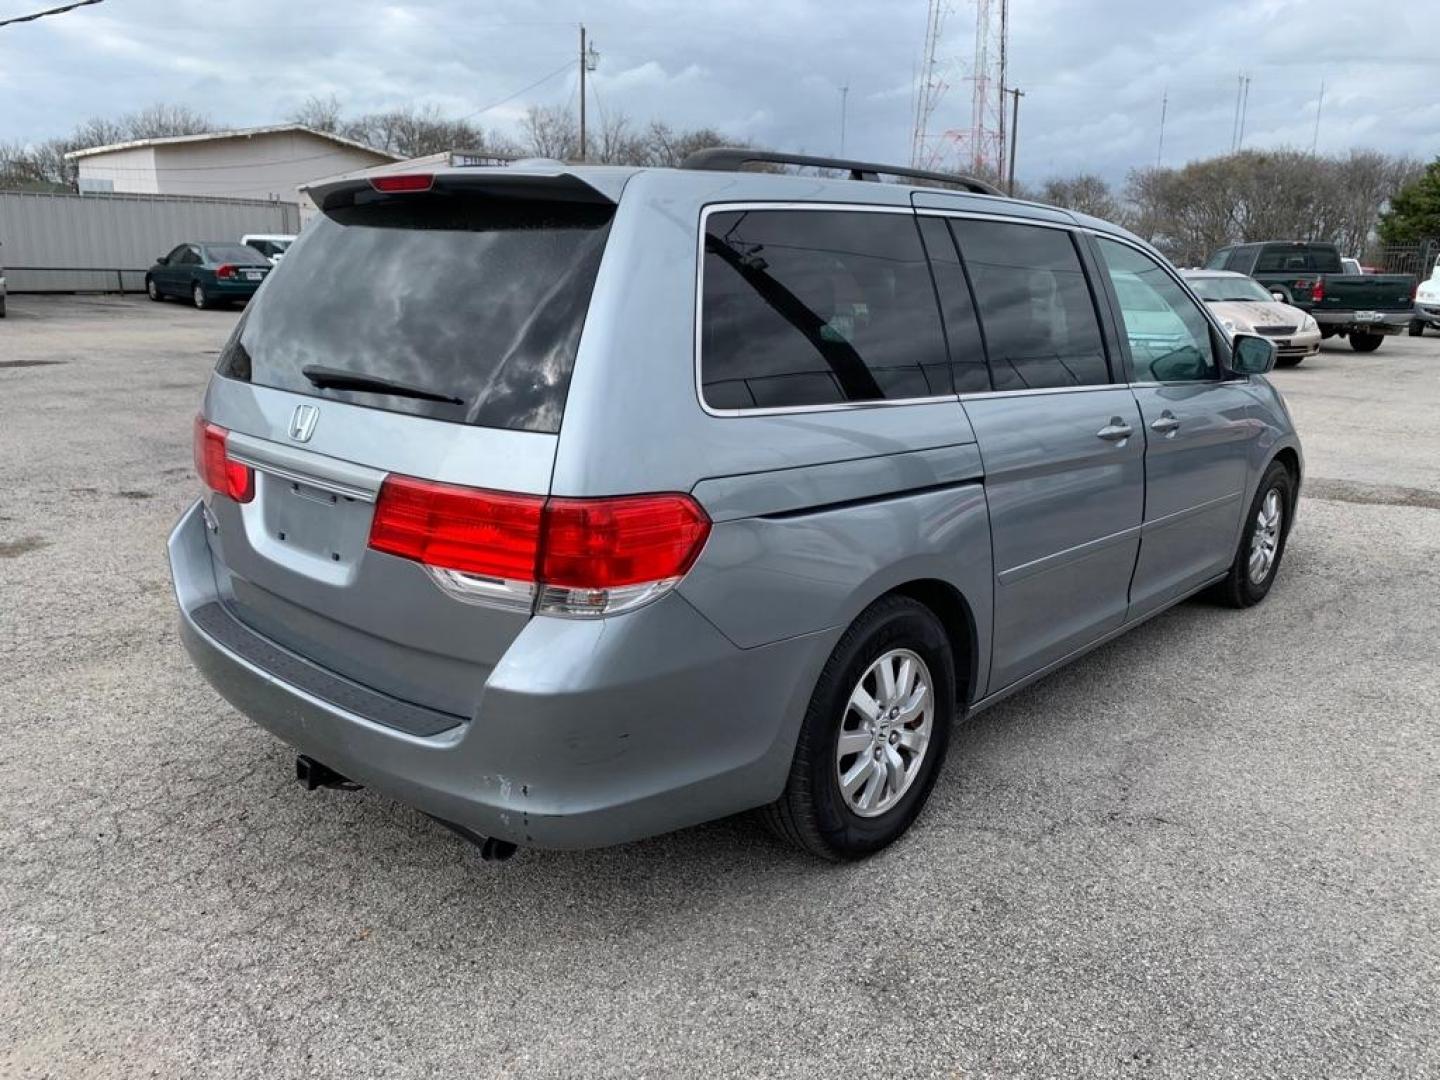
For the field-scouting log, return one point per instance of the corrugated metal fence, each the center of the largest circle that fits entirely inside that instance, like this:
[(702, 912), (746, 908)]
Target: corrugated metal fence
[(105, 243)]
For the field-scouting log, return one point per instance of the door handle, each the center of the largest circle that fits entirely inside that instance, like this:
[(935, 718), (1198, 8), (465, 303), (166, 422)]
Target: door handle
[(1115, 431), (1165, 424)]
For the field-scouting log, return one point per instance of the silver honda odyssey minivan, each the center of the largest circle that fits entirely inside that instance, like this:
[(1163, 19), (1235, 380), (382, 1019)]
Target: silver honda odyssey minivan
[(572, 504)]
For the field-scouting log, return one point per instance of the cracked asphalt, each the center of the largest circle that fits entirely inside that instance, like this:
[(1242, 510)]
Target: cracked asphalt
[(1211, 848)]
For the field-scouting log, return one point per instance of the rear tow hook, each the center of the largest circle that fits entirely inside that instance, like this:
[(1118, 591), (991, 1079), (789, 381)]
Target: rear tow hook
[(491, 849), (314, 774)]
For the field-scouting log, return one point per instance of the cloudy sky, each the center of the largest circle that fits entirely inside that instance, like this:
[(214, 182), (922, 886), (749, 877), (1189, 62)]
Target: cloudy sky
[(1093, 71)]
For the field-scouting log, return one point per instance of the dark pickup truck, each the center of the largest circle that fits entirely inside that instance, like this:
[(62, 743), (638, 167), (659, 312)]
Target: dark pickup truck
[(1363, 307)]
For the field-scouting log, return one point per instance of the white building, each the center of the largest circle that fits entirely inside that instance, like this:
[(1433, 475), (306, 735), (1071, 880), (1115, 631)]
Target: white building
[(250, 163)]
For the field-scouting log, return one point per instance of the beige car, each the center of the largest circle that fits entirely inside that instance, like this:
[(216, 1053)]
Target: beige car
[(1244, 306)]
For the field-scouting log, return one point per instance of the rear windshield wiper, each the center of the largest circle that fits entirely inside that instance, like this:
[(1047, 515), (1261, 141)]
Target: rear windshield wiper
[(327, 378)]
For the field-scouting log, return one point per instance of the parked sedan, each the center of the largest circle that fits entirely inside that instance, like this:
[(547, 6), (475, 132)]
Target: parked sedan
[(1244, 306), (207, 274)]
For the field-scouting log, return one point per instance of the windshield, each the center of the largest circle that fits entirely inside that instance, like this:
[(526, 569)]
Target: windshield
[(476, 302), (1220, 289)]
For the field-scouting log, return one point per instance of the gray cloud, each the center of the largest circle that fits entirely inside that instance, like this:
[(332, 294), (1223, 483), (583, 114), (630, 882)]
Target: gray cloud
[(769, 71)]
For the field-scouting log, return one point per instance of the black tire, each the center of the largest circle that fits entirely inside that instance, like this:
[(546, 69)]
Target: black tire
[(1239, 590), (1416, 328), (812, 812), (2, 307), (1365, 342), (152, 290), (1288, 361), (200, 298)]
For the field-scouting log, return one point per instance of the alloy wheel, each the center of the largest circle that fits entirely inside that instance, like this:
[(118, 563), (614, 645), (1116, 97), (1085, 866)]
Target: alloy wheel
[(885, 732), (1265, 540)]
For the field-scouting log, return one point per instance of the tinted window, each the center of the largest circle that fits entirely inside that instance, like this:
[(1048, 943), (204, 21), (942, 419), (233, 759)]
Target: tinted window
[(962, 330), (174, 256), (1217, 261), (478, 300), (1169, 336), (817, 307), (188, 257), (1299, 257), (1035, 306)]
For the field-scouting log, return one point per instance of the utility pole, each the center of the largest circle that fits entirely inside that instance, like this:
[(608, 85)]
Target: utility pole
[(1160, 150), (1314, 142), (1015, 95), (589, 59), (1235, 123), (1244, 108), (844, 94)]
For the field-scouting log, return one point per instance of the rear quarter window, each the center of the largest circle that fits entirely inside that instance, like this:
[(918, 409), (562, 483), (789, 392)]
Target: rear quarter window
[(817, 307), (476, 299)]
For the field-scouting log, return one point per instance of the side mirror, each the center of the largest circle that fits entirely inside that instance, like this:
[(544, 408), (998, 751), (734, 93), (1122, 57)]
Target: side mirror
[(162, 260), (1251, 354)]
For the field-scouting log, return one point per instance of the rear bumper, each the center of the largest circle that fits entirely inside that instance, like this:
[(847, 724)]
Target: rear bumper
[(588, 732), (1387, 322), (233, 289)]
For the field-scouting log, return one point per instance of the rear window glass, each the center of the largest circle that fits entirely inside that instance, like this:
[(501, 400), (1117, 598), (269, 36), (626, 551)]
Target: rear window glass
[(238, 253), (1041, 330), (473, 304), (1298, 257), (817, 307)]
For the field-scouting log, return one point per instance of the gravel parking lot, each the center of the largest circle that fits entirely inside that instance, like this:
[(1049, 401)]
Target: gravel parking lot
[(1210, 848)]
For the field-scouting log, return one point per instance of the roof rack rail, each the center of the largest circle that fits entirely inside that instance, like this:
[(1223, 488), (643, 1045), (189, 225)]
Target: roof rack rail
[(732, 158)]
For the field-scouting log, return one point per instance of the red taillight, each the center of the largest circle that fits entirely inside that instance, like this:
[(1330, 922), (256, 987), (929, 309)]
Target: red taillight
[(403, 182), (217, 470), (608, 543), (225, 270), (581, 556), (1318, 292), (489, 533)]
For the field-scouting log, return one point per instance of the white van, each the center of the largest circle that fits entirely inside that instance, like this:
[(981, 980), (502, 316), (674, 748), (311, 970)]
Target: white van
[(271, 245)]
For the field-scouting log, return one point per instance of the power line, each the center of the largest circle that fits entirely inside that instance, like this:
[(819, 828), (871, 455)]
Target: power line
[(509, 97), (48, 11)]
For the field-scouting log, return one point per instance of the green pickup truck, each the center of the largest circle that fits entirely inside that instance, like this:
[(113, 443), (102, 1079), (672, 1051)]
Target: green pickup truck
[(1308, 275)]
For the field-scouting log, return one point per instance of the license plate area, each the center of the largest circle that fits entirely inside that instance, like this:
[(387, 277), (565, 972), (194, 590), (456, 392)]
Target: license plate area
[(253, 275), (1367, 316), (310, 524)]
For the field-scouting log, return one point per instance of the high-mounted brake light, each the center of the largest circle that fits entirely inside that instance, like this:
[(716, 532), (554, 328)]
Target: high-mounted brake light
[(217, 470), (576, 557), (403, 182)]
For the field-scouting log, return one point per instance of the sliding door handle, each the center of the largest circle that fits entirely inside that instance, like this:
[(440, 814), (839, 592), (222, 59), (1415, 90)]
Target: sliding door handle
[(1165, 424)]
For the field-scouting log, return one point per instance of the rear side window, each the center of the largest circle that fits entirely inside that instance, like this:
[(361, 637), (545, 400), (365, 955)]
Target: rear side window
[(1041, 330), (474, 305), (817, 307), (1218, 260)]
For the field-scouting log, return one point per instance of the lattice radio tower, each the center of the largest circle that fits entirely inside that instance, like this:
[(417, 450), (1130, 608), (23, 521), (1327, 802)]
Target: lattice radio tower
[(980, 148)]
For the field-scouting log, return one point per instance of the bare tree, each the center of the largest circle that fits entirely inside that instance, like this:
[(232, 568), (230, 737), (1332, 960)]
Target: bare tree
[(1085, 193), (549, 131), (318, 113)]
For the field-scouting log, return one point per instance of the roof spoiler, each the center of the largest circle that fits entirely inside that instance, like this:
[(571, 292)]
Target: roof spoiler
[(557, 185), (734, 158)]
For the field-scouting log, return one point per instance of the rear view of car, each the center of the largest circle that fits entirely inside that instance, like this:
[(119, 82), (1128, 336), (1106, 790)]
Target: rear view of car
[(207, 274)]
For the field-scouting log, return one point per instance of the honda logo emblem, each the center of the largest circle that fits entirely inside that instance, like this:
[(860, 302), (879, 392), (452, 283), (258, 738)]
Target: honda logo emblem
[(302, 424)]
